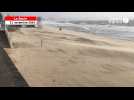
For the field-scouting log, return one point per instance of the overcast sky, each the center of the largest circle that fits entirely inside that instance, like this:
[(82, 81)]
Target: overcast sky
[(77, 15)]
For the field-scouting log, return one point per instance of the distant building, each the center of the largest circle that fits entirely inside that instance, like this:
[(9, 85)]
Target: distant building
[(39, 21), (131, 22), (2, 24), (119, 21)]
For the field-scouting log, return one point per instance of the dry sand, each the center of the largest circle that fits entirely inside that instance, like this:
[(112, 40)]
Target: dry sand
[(49, 57)]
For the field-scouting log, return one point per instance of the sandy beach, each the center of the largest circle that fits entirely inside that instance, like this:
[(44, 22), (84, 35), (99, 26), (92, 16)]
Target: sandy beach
[(49, 57)]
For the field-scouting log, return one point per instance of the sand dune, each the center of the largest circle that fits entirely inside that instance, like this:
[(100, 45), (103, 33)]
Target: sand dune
[(49, 57)]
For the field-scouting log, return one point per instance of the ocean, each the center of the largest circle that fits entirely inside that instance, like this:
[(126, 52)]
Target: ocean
[(114, 31)]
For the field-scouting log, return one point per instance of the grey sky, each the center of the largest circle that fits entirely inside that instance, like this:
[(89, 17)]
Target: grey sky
[(77, 15)]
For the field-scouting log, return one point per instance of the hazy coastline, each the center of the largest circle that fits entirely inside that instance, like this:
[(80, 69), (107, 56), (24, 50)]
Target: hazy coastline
[(113, 31)]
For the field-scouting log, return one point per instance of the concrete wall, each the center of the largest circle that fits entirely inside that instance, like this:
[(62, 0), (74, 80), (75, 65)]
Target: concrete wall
[(8, 34)]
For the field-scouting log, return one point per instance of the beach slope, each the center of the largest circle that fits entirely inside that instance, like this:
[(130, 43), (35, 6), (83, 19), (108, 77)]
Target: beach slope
[(49, 57)]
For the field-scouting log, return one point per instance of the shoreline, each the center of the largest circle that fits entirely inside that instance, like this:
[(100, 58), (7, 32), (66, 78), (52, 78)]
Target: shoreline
[(99, 34)]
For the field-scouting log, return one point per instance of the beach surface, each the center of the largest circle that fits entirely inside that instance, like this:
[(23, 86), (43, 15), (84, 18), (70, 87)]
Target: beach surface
[(50, 57)]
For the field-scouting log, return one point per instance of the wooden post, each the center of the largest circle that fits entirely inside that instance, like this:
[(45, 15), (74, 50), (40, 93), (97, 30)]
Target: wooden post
[(41, 43)]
